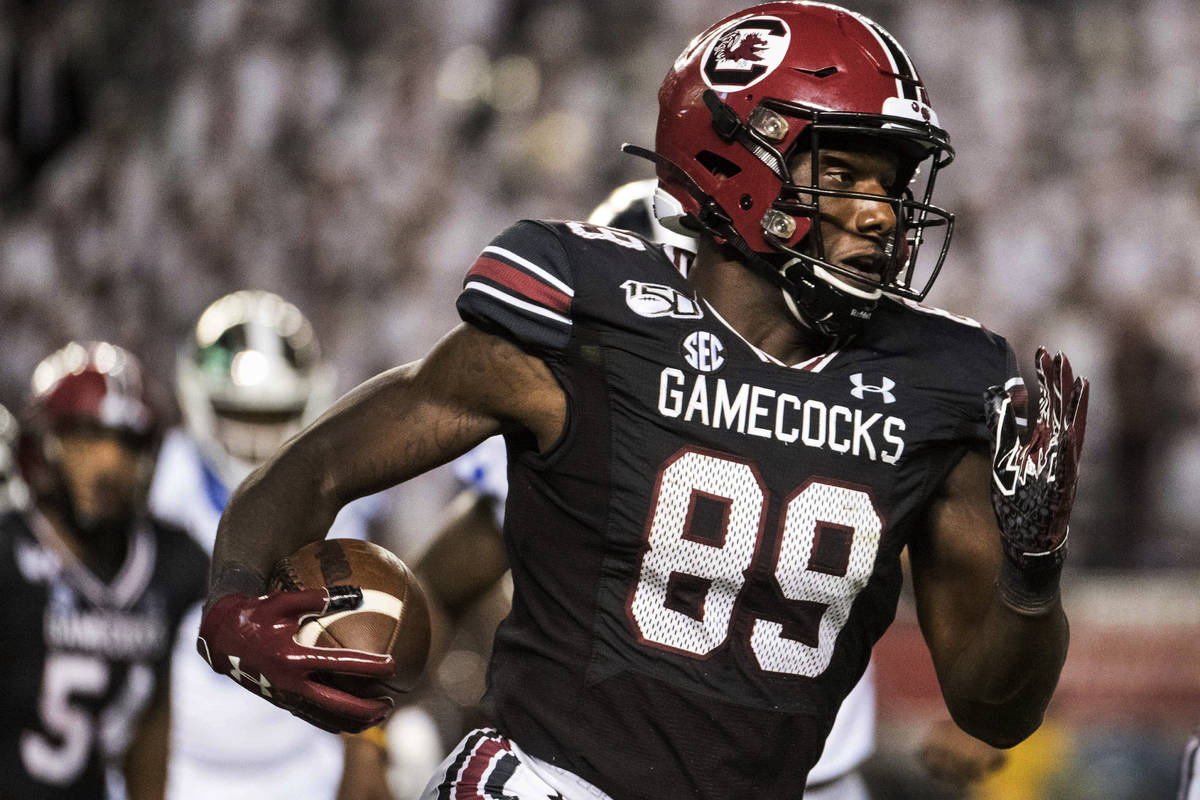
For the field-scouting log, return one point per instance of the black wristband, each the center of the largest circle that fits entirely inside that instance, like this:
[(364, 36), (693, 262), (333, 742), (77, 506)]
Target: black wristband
[(234, 578), (1031, 592)]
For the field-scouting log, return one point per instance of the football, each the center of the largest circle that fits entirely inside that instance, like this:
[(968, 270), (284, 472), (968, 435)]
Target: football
[(393, 617)]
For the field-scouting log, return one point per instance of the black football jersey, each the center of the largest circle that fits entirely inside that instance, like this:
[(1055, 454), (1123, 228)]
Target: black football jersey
[(703, 562), (83, 657)]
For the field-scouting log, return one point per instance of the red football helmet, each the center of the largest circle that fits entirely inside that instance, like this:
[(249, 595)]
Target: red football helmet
[(738, 104), (94, 384), (84, 386)]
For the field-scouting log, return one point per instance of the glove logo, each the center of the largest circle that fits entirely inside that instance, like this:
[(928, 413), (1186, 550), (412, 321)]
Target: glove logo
[(236, 673), (1008, 473), (202, 646), (884, 389)]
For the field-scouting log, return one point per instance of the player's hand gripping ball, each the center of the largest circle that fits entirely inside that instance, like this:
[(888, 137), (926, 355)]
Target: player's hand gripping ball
[(1033, 482), (323, 648), (392, 619)]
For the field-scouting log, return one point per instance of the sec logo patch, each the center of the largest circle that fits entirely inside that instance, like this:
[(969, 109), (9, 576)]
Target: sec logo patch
[(703, 351)]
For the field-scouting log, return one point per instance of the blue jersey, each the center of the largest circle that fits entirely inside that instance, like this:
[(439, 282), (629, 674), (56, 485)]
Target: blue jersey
[(703, 561)]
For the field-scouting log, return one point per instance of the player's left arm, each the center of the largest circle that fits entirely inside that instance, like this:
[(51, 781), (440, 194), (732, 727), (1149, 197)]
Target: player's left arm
[(986, 569), (145, 765), (364, 768), (453, 582)]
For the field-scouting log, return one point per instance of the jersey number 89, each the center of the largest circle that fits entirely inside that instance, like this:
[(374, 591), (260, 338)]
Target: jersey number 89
[(718, 566)]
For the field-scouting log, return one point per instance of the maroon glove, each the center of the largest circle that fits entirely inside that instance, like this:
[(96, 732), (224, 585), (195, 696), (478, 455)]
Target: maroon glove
[(1033, 483), (252, 639)]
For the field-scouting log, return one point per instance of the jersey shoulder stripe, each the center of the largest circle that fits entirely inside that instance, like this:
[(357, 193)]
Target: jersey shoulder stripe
[(509, 257), (520, 286), (502, 273)]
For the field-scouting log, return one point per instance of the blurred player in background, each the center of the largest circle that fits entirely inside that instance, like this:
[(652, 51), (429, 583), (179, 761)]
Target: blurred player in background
[(94, 588), (13, 492), (249, 376), (711, 478)]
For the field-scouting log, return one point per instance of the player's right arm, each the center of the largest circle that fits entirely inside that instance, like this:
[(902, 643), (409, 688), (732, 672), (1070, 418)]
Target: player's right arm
[(391, 428)]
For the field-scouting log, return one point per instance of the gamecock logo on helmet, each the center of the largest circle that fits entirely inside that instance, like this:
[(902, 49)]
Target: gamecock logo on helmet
[(745, 52)]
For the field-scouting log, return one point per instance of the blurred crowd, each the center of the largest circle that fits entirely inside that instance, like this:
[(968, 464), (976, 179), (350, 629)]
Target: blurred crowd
[(354, 156)]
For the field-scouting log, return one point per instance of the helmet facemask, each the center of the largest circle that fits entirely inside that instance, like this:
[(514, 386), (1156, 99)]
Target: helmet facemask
[(921, 155), (101, 504), (831, 298)]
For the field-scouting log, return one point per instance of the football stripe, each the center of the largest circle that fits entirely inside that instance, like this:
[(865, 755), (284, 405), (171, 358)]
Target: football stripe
[(374, 602)]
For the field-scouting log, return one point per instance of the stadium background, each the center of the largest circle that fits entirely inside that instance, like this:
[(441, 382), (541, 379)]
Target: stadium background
[(354, 156)]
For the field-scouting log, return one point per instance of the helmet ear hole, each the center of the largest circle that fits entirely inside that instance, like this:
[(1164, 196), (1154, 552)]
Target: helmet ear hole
[(718, 166)]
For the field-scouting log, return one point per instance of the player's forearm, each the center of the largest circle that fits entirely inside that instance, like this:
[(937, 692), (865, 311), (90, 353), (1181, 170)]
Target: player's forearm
[(293, 498), (278, 509), (146, 760), (998, 686), (389, 429)]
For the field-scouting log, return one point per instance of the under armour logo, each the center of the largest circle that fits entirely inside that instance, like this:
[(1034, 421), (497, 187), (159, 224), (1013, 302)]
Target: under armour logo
[(884, 389), (236, 673)]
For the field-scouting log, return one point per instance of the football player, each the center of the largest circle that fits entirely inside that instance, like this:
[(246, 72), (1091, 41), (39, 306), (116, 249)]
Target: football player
[(476, 522), (249, 376), (94, 588), (711, 478)]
